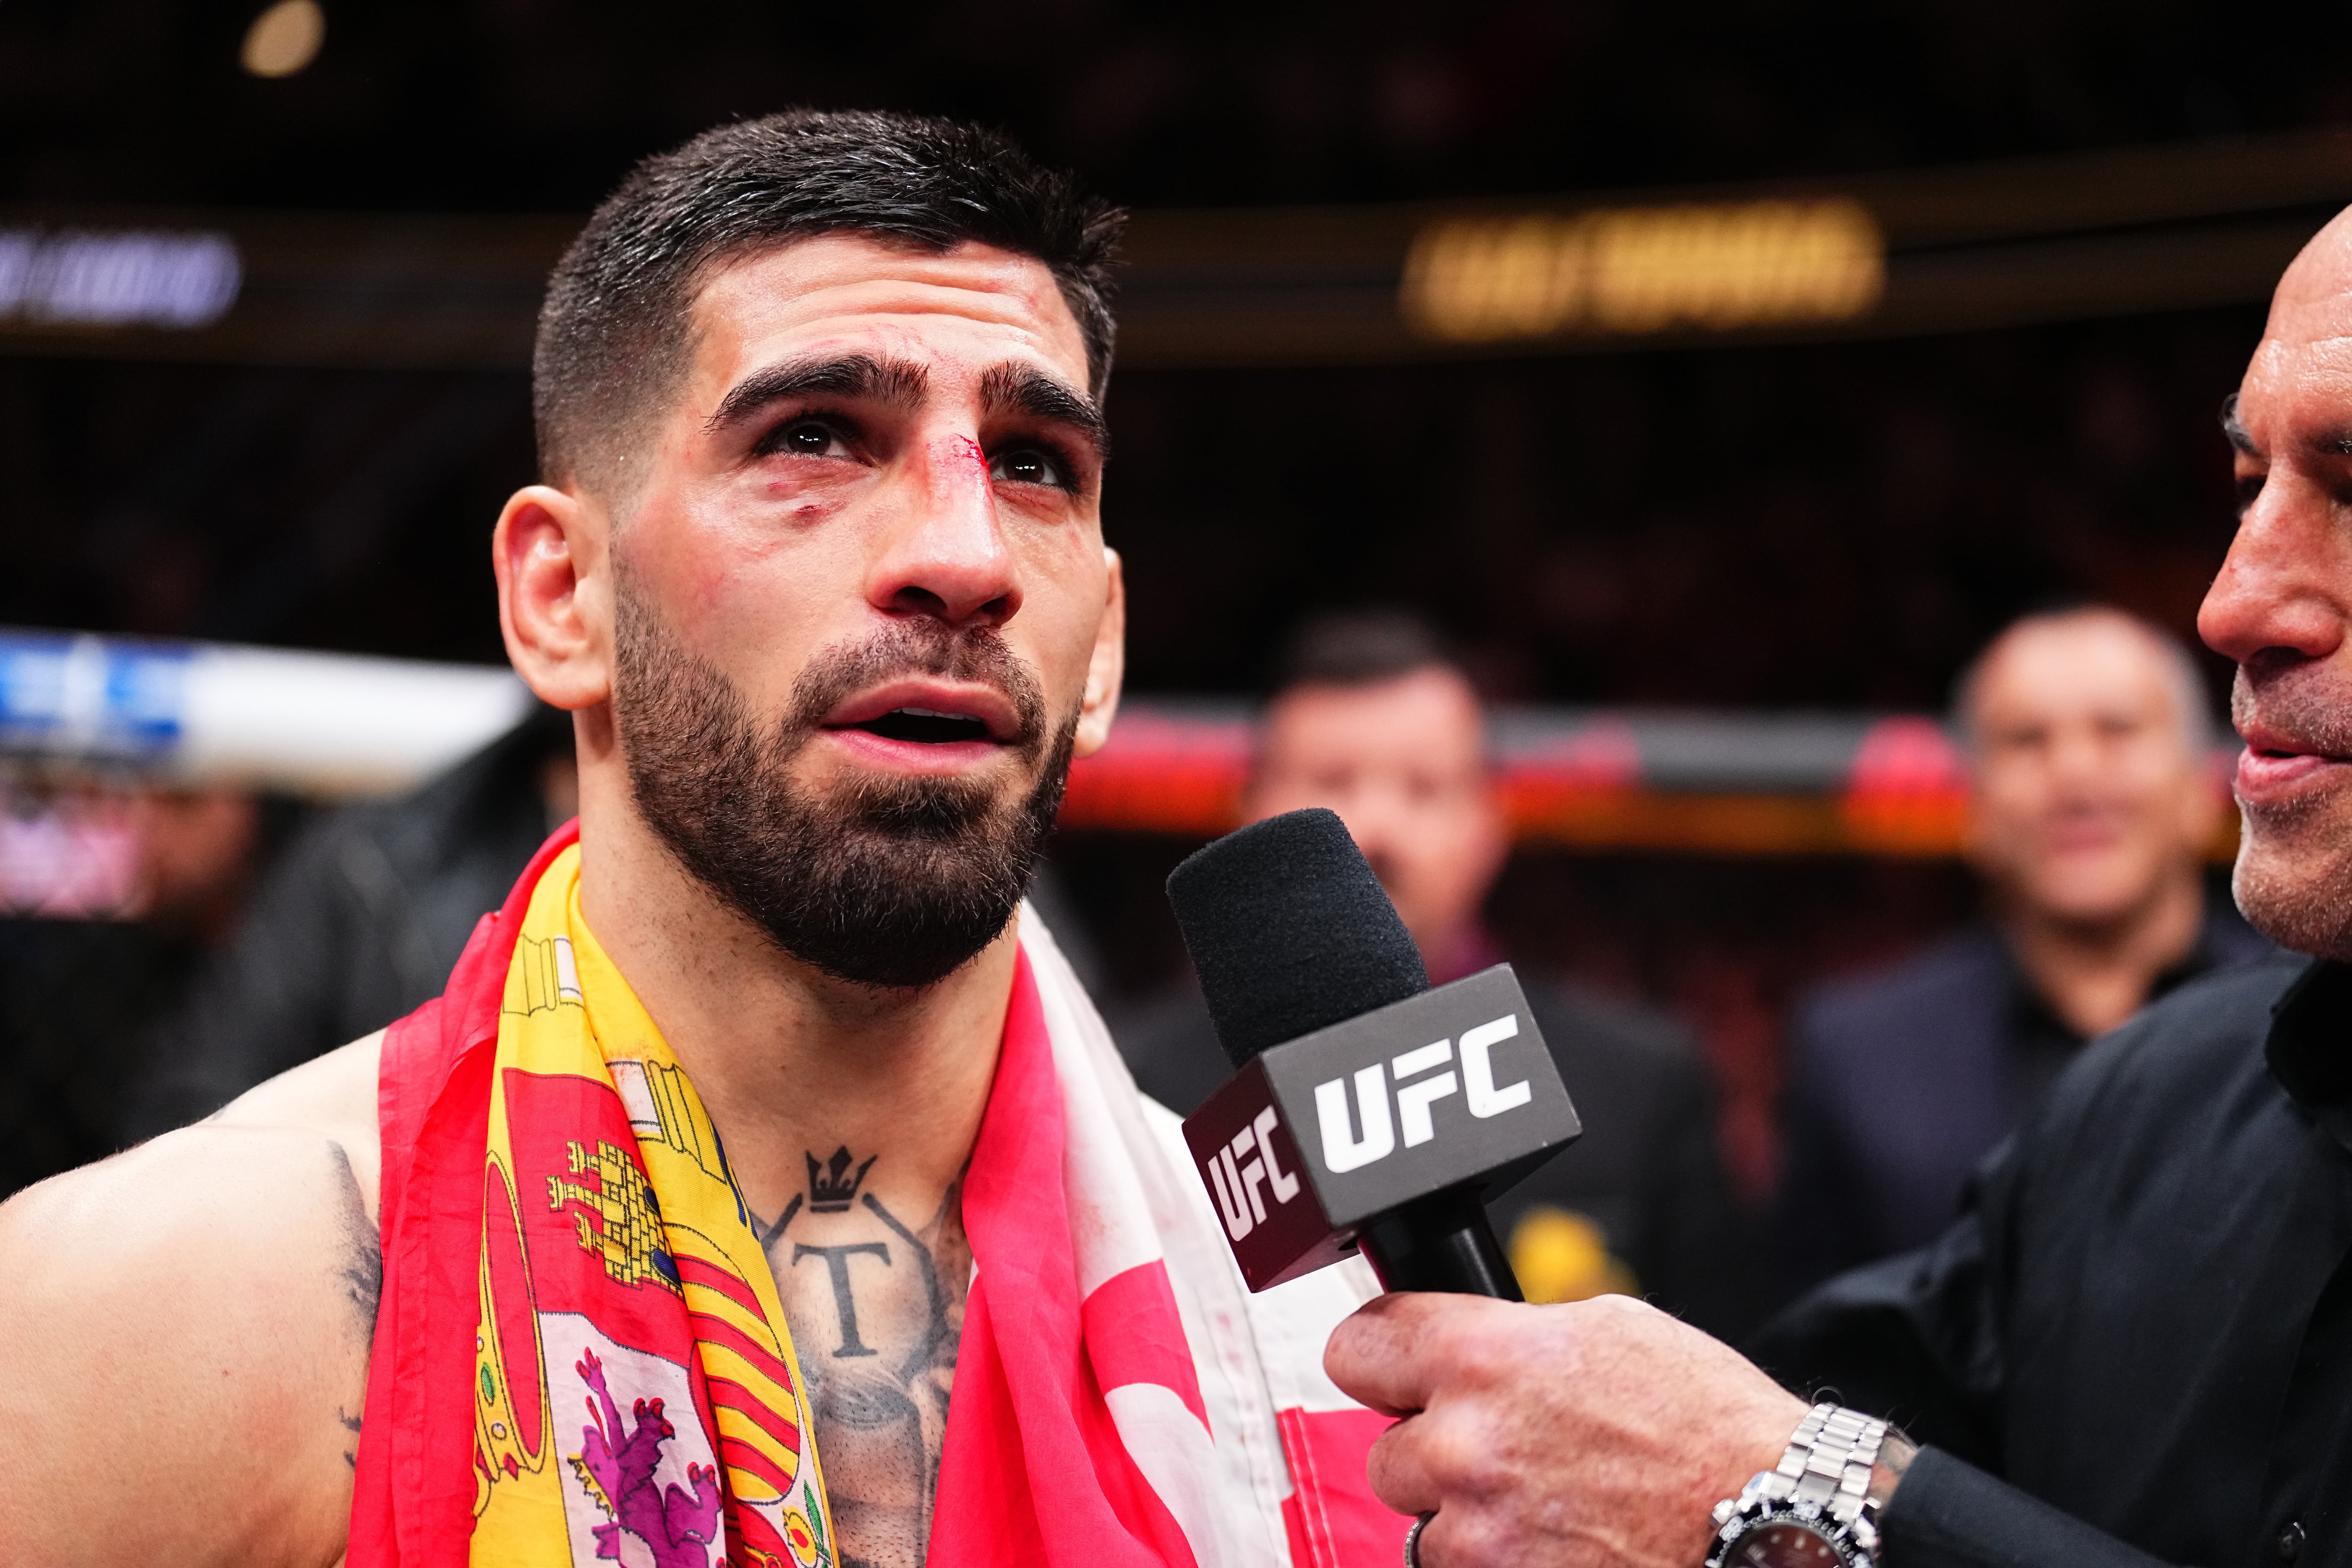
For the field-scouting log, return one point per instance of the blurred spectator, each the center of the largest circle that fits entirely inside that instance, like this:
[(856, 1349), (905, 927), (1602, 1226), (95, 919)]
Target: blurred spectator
[(2092, 806), (360, 923), (109, 900), (1372, 717)]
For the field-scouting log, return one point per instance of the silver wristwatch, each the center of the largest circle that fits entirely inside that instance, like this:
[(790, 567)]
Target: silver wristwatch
[(1814, 1508)]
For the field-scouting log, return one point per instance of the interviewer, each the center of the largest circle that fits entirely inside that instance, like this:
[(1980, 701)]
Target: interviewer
[(2136, 1343)]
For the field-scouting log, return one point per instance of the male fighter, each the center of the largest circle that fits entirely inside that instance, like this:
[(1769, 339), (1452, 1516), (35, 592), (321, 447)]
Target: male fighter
[(2135, 1345), (762, 1189)]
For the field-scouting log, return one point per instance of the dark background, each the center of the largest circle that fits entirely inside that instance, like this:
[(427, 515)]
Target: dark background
[(1828, 524), (1746, 525), (505, 105)]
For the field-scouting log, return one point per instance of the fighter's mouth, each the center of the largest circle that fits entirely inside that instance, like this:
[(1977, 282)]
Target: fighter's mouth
[(930, 713), (926, 725)]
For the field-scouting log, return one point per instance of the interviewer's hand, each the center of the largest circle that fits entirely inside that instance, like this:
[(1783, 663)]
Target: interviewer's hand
[(1595, 1435)]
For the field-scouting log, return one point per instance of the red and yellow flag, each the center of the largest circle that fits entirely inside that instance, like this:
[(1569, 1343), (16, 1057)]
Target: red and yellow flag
[(635, 1395)]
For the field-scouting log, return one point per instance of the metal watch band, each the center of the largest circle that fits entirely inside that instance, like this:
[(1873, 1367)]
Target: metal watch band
[(1829, 1461)]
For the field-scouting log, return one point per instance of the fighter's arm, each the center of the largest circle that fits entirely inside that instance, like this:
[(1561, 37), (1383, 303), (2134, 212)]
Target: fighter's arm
[(184, 1337)]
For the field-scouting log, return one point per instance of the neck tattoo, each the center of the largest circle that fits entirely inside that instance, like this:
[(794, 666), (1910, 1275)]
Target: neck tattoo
[(876, 1307)]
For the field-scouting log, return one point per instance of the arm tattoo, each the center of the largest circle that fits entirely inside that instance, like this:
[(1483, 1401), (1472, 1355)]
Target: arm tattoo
[(877, 1318), (360, 1269)]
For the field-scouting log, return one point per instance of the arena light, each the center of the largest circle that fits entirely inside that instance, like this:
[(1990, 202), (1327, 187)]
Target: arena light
[(119, 278), (284, 38), (1630, 270)]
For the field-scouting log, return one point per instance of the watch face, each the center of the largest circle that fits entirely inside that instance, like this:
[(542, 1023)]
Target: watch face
[(1784, 1544)]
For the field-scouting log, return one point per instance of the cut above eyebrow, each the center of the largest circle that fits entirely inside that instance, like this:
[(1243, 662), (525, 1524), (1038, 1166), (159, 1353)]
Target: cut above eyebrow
[(898, 383), (1022, 389)]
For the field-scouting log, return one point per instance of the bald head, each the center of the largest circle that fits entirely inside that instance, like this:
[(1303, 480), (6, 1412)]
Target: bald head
[(2316, 285), (2305, 353), (2283, 602)]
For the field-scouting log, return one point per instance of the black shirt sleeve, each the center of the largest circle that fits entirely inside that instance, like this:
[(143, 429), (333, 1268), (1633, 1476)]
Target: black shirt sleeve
[(1949, 1514), (1913, 1339), (1918, 1339), (2132, 1304)]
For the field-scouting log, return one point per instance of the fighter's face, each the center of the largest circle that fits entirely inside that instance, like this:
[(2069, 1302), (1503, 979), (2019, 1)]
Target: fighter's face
[(861, 609), (2283, 605), (870, 437)]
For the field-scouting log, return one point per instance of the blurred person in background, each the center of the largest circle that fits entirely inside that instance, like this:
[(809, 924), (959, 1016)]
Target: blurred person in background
[(131, 892), (357, 924), (1372, 717), (2092, 806)]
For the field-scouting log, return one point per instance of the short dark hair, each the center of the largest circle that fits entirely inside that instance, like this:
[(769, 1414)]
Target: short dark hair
[(613, 332), (1361, 648)]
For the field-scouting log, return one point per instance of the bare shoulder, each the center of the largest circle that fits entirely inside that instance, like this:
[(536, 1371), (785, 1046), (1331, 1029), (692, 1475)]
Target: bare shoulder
[(186, 1328), (334, 1096)]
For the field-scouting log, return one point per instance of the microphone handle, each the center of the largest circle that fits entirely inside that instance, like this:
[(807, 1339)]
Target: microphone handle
[(1440, 1241)]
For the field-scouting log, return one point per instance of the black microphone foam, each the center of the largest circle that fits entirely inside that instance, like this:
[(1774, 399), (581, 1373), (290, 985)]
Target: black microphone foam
[(1290, 931)]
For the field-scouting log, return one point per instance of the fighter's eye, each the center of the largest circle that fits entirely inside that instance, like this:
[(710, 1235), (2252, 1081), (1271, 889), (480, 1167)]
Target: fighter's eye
[(804, 438), (1029, 466)]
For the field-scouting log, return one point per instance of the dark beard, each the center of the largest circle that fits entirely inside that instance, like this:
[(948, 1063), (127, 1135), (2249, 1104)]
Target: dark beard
[(897, 884)]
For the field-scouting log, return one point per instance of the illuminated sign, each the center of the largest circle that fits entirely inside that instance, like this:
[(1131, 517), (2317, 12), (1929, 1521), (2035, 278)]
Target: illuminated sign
[(1643, 269), (82, 278)]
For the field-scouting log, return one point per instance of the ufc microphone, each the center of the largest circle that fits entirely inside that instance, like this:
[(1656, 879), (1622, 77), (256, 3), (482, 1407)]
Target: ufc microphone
[(1369, 1110)]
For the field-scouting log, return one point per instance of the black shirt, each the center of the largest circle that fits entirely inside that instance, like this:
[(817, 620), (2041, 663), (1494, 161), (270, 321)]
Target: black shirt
[(2142, 1316)]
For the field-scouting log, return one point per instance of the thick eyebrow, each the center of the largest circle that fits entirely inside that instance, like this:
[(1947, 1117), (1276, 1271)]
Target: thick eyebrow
[(1023, 389), (897, 383)]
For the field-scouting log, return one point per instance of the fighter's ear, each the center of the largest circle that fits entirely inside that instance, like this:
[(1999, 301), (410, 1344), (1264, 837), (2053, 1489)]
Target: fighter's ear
[(1107, 666), (548, 551)]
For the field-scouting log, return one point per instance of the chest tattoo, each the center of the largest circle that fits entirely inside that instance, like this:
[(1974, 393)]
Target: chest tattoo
[(875, 1300)]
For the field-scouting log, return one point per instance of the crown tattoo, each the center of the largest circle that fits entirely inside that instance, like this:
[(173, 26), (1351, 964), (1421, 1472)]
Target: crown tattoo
[(833, 1186)]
